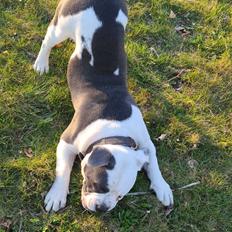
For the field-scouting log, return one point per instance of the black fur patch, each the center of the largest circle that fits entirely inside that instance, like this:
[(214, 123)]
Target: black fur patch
[(94, 97), (105, 9), (96, 180), (97, 93), (100, 158), (108, 48)]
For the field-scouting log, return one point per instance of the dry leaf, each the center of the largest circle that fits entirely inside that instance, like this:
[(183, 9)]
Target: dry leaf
[(177, 85), (161, 137), (28, 152), (58, 45), (5, 223), (176, 81), (5, 52), (182, 31), (172, 15), (179, 28), (194, 146), (192, 164)]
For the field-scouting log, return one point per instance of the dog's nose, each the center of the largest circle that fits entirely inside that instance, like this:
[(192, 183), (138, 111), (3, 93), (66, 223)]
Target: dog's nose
[(101, 208)]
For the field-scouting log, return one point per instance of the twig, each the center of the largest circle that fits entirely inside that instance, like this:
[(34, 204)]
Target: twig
[(21, 220), (20, 225), (146, 214), (138, 193), (189, 185), (168, 210), (85, 210), (180, 188), (178, 74), (152, 49)]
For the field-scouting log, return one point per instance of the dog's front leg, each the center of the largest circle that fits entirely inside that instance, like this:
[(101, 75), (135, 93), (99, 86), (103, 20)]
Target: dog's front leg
[(158, 184), (56, 197)]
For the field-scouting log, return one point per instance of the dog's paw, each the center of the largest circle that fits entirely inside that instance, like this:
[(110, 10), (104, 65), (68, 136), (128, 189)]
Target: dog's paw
[(41, 65), (163, 193), (56, 197)]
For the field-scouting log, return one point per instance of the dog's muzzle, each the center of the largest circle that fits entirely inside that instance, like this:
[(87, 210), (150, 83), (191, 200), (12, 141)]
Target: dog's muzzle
[(96, 202)]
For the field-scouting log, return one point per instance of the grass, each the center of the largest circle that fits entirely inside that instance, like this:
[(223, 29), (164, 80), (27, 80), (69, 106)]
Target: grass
[(182, 83)]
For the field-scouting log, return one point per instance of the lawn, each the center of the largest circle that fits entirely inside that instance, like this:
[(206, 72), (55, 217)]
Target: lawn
[(180, 74)]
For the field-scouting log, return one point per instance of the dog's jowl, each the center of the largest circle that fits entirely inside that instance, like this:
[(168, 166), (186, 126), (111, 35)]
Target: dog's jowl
[(107, 127)]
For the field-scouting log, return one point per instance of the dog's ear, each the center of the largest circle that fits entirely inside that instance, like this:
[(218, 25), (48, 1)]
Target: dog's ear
[(99, 157), (141, 159)]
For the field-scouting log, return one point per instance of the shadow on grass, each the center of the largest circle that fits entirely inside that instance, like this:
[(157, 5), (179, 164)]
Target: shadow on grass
[(40, 115)]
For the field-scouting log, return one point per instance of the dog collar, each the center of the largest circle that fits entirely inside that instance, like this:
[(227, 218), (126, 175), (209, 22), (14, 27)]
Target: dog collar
[(113, 140)]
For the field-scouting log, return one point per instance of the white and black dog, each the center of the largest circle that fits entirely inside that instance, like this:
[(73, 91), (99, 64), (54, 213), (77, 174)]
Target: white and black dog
[(107, 126)]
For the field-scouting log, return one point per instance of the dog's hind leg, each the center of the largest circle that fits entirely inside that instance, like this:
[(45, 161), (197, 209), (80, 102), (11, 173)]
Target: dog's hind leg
[(58, 30), (56, 197), (53, 36)]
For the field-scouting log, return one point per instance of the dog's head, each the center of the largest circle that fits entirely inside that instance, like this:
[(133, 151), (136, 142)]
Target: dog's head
[(109, 173)]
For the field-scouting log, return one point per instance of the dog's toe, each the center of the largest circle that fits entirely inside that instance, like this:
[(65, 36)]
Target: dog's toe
[(48, 206), (56, 198), (164, 194), (41, 66)]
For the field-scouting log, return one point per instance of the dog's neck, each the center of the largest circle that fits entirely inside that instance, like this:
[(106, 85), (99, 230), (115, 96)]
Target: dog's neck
[(113, 140)]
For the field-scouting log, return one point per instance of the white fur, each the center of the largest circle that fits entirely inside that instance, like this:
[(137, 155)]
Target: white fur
[(56, 197), (90, 201), (120, 179), (51, 38), (158, 184), (102, 128), (128, 162), (126, 168), (85, 23), (116, 72), (122, 18), (135, 128)]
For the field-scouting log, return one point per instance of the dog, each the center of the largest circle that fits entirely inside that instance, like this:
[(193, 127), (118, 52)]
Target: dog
[(107, 127)]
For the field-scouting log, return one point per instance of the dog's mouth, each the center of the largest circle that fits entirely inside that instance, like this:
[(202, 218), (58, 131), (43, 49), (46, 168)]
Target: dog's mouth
[(95, 205), (98, 202)]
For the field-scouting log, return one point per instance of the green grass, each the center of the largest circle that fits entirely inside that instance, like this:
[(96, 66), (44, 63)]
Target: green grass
[(196, 119)]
